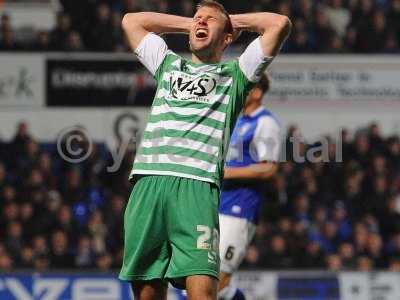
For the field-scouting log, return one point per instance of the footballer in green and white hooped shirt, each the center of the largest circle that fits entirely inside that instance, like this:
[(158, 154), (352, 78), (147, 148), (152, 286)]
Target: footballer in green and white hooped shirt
[(171, 220)]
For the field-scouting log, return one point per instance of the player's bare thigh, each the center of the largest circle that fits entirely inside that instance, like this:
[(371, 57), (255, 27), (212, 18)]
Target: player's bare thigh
[(150, 290)]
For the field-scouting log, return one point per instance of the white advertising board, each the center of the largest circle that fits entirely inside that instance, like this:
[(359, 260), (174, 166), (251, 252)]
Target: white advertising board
[(327, 78), (22, 80)]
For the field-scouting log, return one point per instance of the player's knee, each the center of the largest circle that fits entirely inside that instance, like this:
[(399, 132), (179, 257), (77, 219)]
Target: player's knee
[(149, 290), (201, 288)]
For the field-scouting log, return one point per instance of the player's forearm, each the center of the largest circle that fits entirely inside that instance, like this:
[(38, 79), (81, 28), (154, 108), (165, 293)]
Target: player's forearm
[(156, 22), (260, 22), (257, 171)]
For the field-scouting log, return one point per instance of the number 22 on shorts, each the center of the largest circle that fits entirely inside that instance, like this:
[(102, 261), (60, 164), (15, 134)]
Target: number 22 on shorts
[(203, 241)]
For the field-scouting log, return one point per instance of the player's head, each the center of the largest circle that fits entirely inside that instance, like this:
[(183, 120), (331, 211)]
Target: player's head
[(211, 30), (256, 94)]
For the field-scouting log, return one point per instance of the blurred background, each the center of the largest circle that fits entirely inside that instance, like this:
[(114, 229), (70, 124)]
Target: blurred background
[(330, 224)]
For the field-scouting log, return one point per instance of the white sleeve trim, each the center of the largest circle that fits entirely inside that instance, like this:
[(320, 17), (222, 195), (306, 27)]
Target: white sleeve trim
[(267, 139), (151, 52), (253, 62)]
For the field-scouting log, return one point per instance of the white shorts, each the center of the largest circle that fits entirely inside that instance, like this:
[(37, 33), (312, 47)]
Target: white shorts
[(235, 236)]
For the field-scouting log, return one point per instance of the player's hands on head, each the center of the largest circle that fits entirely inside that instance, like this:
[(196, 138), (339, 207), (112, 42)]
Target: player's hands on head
[(237, 30)]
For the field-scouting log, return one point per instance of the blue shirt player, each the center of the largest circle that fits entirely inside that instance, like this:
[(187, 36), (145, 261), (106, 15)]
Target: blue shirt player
[(252, 158)]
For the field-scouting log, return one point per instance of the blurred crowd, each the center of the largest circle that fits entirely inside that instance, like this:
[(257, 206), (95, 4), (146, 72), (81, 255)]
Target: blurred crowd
[(322, 26), (337, 210), (56, 214), (319, 213)]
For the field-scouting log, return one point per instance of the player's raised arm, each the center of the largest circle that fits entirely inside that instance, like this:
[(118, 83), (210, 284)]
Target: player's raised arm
[(138, 25), (273, 29)]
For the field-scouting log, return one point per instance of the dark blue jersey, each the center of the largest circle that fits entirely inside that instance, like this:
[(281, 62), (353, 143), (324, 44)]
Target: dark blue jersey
[(256, 138)]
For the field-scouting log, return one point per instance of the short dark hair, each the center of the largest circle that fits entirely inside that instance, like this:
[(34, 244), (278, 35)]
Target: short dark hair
[(264, 83), (212, 3)]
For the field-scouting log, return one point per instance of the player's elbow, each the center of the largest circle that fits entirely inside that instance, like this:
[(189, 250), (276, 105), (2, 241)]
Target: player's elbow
[(131, 20), (284, 25)]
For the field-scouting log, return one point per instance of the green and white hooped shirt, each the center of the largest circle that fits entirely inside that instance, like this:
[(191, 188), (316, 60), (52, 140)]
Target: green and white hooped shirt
[(194, 110)]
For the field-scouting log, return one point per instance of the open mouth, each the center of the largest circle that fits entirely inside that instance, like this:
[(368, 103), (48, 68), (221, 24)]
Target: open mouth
[(201, 33)]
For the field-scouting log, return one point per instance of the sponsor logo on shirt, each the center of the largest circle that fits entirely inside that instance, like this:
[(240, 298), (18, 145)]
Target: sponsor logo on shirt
[(200, 88)]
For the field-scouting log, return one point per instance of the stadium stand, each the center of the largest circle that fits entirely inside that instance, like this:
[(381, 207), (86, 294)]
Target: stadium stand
[(344, 216), (323, 26)]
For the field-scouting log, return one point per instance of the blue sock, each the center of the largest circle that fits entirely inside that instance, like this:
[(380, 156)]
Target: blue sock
[(239, 295)]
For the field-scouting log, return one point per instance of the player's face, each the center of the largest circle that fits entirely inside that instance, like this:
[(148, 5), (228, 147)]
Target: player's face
[(207, 34), (254, 97)]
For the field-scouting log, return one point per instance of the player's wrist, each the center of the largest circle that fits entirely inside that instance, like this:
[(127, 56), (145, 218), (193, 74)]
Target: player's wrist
[(245, 22), (237, 23), (187, 25)]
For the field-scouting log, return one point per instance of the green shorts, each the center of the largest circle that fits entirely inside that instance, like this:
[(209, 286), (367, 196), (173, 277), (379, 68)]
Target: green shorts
[(171, 230)]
